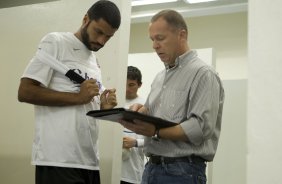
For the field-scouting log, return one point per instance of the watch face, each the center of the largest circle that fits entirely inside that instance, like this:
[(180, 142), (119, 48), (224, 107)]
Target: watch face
[(155, 138), (157, 133)]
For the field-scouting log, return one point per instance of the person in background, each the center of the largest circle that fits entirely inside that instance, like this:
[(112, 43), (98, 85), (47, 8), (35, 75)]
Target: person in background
[(132, 155), (187, 92), (65, 143)]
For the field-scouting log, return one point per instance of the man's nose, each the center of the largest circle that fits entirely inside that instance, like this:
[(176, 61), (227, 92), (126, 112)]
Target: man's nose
[(102, 40), (156, 45)]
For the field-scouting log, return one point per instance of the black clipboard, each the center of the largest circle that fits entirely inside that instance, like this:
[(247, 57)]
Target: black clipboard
[(116, 114)]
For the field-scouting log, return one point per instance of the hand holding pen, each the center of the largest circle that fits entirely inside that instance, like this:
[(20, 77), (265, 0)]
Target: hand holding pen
[(88, 89)]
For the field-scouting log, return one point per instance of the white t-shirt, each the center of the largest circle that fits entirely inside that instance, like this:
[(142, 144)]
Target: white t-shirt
[(65, 136), (133, 164)]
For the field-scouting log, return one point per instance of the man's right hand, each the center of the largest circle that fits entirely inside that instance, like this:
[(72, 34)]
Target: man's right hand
[(139, 108), (88, 89)]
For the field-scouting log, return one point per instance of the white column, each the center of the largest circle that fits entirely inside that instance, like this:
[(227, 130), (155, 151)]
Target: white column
[(113, 60), (264, 126)]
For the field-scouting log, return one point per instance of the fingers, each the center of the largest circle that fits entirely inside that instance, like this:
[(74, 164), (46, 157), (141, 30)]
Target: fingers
[(128, 142), (139, 108), (108, 92), (111, 98), (88, 89), (92, 87), (108, 99), (135, 107), (139, 127), (143, 110), (113, 90)]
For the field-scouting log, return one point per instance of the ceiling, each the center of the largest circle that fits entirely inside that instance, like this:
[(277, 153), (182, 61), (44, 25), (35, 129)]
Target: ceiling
[(13, 3), (143, 13)]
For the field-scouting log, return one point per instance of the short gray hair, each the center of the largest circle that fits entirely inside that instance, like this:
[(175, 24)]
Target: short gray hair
[(172, 17)]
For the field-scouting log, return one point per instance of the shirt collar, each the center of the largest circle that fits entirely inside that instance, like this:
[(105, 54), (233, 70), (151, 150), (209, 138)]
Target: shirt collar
[(179, 60)]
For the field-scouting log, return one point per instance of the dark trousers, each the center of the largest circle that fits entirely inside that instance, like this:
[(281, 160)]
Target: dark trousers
[(124, 182), (62, 175)]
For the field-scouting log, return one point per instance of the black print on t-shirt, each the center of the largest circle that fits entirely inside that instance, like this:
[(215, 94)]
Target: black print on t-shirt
[(86, 77)]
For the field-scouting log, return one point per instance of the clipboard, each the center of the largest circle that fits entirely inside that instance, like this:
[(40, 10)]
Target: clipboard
[(116, 114)]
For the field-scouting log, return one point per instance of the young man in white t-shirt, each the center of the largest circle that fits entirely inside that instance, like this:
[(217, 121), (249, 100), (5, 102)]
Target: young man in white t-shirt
[(65, 143), (132, 155)]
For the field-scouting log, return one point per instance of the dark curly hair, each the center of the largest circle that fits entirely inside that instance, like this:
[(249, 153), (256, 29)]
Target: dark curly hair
[(134, 73), (106, 10)]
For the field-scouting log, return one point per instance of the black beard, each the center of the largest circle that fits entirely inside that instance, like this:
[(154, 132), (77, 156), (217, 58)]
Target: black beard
[(85, 37)]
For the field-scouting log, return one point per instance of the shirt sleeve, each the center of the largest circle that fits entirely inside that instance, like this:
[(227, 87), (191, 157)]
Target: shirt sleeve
[(36, 69), (140, 142), (203, 108)]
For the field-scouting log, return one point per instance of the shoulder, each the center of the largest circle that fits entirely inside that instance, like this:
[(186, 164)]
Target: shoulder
[(200, 69), (51, 36), (196, 64), (56, 36), (207, 69)]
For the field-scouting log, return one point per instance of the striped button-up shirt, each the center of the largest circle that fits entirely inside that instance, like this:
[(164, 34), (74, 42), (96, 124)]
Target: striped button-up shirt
[(191, 94)]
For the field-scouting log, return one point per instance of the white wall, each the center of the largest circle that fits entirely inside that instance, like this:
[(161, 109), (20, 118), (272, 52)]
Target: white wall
[(229, 165), (227, 34), (21, 30), (264, 93)]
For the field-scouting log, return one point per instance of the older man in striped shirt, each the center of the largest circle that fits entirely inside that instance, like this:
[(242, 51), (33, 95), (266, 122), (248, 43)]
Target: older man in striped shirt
[(187, 92)]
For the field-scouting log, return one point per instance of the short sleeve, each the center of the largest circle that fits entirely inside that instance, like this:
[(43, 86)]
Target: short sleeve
[(36, 69)]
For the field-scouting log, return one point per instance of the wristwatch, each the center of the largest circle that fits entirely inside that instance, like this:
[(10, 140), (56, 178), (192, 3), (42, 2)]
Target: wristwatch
[(157, 134)]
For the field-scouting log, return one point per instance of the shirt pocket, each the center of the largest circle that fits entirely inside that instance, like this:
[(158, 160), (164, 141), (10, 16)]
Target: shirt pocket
[(174, 104)]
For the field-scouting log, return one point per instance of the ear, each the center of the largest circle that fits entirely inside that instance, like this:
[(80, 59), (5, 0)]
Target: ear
[(183, 34), (85, 19)]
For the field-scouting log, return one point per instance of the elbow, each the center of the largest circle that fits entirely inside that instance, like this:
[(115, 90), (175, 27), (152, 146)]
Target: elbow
[(25, 90), (21, 97), (197, 141), (23, 94)]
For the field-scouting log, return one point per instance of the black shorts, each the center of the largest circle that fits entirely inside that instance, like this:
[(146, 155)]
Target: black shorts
[(62, 175)]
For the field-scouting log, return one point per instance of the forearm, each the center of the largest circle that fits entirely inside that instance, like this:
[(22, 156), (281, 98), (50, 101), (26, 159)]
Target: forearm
[(31, 92), (174, 133)]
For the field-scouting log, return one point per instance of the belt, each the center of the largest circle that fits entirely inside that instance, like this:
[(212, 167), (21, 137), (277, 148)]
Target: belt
[(155, 159)]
